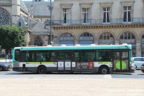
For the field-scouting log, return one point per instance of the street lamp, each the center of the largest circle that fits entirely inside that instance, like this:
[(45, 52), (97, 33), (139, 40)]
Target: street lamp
[(50, 42)]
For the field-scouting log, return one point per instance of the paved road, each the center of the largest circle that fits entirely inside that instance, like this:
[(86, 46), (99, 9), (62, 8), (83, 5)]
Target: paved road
[(27, 84), (12, 74)]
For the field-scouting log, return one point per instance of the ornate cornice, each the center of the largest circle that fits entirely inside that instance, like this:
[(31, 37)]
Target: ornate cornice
[(99, 26)]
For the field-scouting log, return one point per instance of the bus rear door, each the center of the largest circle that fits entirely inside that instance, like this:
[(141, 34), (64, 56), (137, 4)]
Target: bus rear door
[(121, 62)]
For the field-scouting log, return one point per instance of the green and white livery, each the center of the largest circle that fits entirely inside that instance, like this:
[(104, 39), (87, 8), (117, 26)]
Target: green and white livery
[(73, 59)]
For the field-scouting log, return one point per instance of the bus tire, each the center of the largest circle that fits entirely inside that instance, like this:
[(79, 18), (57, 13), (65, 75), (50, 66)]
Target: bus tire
[(42, 70), (104, 70)]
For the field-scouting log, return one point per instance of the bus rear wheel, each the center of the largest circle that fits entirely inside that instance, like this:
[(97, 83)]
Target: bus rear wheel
[(104, 70), (42, 70)]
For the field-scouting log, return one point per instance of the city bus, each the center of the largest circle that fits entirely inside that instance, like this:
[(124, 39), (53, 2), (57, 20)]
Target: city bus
[(102, 59)]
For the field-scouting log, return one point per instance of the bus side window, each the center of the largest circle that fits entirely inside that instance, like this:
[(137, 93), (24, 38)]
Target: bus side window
[(90, 56), (61, 56), (87, 56), (46, 56), (17, 54), (30, 56), (23, 56), (103, 56), (52, 57), (76, 56), (39, 57)]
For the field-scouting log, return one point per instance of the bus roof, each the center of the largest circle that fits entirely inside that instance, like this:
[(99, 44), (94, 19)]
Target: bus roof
[(77, 47)]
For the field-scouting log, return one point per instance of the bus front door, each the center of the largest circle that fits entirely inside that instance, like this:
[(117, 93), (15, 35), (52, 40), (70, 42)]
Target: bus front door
[(121, 61), (64, 61)]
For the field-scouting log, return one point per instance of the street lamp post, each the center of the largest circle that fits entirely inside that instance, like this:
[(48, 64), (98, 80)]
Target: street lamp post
[(51, 34)]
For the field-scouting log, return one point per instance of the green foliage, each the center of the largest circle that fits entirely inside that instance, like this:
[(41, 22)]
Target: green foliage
[(11, 37)]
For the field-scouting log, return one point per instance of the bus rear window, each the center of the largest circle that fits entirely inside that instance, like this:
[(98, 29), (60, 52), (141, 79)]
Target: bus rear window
[(17, 55)]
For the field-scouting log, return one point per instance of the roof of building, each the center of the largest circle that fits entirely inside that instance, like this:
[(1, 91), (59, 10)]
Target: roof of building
[(23, 6), (38, 8)]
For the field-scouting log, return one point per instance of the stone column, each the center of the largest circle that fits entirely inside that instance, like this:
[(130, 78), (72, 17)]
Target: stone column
[(116, 42), (56, 40), (138, 49), (76, 40), (15, 11), (96, 41)]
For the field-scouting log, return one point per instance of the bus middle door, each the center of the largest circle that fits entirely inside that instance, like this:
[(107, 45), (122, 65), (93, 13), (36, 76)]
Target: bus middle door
[(64, 61), (68, 61)]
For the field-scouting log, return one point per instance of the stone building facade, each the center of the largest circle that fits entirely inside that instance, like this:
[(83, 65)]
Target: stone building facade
[(99, 22), (79, 21), (39, 32), (31, 15), (11, 11)]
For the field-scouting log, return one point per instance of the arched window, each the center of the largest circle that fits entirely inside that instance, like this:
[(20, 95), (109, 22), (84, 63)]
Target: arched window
[(106, 38), (38, 42), (4, 17), (129, 38), (86, 38), (66, 39)]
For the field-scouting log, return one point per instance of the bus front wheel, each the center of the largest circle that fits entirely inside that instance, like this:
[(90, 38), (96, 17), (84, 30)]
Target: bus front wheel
[(42, 70), (104, 70)]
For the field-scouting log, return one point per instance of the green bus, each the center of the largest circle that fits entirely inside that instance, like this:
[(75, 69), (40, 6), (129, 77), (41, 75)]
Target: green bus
[(102, 59)]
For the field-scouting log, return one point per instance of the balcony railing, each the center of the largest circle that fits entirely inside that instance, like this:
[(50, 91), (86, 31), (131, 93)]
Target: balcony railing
[(95, 22)]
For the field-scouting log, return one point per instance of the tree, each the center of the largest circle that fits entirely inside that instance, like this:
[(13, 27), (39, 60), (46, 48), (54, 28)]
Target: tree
[(11, 37)]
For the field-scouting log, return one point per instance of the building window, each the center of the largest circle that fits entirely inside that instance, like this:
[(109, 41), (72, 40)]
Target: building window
[(86, 38), (129, 38), (106, 38), (85, 15), (4, 17), (127, 14), (67, 39), (106, 15), (66, 15)]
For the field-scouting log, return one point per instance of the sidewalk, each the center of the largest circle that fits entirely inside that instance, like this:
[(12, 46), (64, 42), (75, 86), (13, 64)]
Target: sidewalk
[(71, 87)]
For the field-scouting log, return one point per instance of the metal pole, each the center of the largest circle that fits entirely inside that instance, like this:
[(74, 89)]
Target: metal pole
[(51, 34)]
